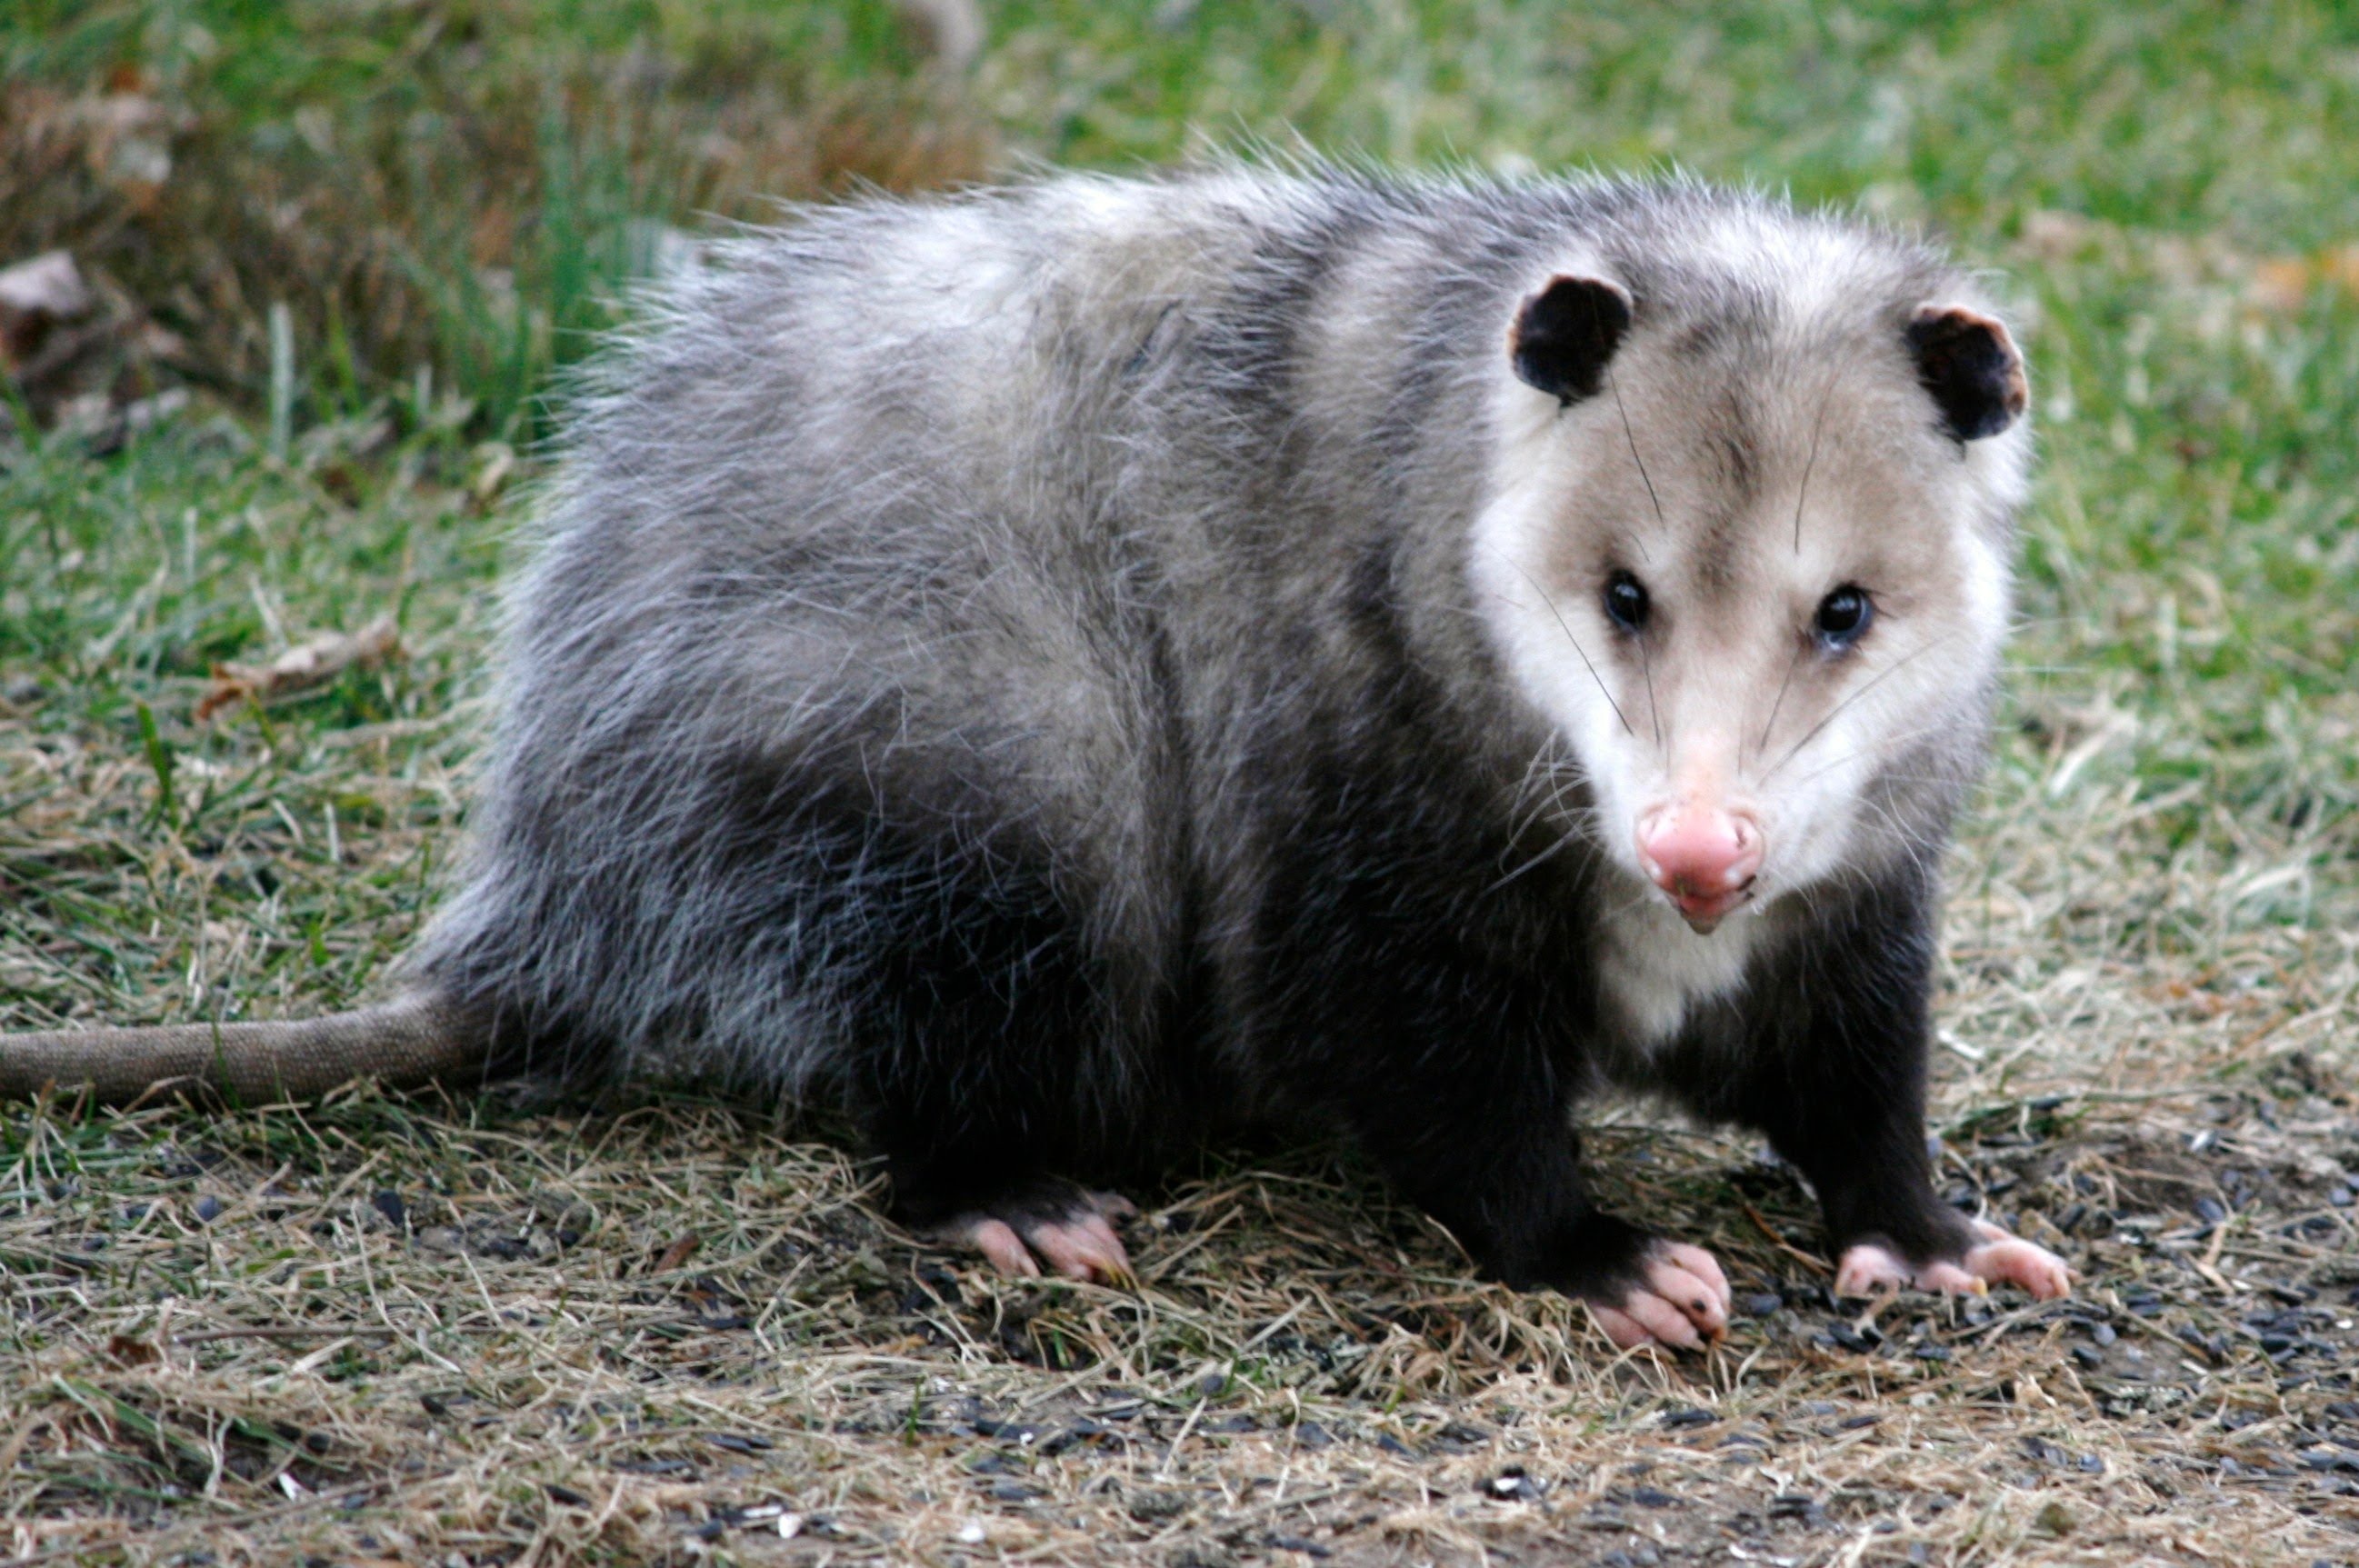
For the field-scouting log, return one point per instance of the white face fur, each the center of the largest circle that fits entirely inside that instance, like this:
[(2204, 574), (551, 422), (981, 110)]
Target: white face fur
[(1762, 580)]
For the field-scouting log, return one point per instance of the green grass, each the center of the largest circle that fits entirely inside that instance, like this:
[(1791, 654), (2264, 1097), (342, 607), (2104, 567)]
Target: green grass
[(2157, 895), (130, 578), (2190, 556)]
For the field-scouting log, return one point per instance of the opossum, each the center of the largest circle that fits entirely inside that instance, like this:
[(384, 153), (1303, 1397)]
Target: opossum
[(1069, 670)]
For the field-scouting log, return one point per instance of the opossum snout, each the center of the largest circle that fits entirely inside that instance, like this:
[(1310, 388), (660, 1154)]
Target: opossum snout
[(1703, 857)]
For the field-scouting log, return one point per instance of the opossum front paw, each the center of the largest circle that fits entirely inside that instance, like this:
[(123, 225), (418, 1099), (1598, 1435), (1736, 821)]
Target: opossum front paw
[(1676, 1296), (1870, 1267), (1067, 1228)]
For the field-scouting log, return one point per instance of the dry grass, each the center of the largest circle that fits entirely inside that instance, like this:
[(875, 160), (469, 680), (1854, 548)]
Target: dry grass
[(380, 1331)]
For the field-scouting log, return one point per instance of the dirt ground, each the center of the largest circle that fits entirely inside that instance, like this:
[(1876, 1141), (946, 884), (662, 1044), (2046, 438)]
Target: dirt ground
[(393, 1331)]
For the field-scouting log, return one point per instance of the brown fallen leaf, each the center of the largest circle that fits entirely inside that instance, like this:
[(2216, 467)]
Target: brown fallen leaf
[(2283, 283), (301, 666), (675, 1255), (129, 1350)]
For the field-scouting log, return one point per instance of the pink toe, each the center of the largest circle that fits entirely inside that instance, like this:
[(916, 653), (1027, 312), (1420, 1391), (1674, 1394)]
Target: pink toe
[(1102, 1234), (1867, 1270), (1001, 1247), (1948, 1278), (1077, 1252), (2012, 1261), (1620, 1327), (1694, 1298), (1066, 1250), (1662, 1320), (1655, 1319), (1114, 1261), (1704, 1266), (1998, 1260)]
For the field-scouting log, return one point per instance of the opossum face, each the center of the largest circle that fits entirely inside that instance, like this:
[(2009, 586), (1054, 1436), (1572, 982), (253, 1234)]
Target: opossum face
[(1749, 562)]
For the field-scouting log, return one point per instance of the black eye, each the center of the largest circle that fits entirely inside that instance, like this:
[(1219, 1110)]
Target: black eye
[(1625, 602), (1844, 615)]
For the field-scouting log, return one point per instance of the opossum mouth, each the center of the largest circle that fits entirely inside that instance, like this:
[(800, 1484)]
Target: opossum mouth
[(1703, 912)]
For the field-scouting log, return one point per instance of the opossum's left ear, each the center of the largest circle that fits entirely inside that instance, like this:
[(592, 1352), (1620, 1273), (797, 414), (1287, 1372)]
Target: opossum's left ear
[(1970, 365), (1565, 334)]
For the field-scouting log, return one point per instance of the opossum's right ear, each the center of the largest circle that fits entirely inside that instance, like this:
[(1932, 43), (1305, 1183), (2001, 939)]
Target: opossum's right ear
[(1565, 335), (1972, 368)]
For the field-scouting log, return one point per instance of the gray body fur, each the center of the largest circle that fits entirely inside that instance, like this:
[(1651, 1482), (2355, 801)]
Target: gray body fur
[(1049, 514)]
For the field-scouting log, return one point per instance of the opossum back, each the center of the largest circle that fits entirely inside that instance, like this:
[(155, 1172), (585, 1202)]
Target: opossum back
[(828, 531)]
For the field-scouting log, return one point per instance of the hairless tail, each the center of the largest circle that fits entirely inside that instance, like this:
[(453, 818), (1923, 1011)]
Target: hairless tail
[(410, 1040)]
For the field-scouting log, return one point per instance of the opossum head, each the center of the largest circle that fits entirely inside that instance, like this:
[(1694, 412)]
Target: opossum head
[(1747, 552)]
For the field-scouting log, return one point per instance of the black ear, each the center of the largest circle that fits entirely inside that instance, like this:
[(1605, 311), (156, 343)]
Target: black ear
[(1970, 366), (1565, 334)]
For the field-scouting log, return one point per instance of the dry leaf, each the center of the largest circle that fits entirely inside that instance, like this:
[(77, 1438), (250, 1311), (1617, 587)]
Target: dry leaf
[(2285, 282), (129, 1350), (300, 667)]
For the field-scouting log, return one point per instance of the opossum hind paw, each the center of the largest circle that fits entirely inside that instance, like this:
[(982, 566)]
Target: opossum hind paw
[(1675, 1296), (1055, 1228)]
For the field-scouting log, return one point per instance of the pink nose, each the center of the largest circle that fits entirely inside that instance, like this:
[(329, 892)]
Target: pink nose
[(1703, 857)]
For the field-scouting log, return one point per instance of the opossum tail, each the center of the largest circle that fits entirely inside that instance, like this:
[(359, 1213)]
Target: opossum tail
[(414, 1040)]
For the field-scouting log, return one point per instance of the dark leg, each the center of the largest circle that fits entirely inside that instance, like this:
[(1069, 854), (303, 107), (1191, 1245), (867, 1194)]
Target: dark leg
[(988, 1061), (1835, 1076), (972, 1102), (1488, 1152), (1440, 1072)]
